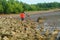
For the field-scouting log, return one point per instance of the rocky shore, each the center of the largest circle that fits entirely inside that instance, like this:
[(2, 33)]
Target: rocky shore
[(15, 29)]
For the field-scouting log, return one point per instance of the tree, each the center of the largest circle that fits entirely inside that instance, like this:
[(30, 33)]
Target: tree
[(26, 7), (14, 6), (4, 2), (33, 8), (1, 7)]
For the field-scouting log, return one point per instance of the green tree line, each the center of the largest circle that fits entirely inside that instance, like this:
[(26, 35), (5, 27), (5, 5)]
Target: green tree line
[(15, 6)]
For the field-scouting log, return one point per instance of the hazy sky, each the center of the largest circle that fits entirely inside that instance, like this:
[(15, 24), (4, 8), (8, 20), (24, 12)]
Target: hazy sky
[(38, 1)]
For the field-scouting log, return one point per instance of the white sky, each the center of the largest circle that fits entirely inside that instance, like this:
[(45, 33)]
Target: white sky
[(38, 1)]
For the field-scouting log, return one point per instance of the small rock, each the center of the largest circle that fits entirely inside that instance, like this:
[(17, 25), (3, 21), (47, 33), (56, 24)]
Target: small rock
[(5, 38)]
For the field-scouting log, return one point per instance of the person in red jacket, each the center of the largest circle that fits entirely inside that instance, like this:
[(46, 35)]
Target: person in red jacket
[(22, 15)]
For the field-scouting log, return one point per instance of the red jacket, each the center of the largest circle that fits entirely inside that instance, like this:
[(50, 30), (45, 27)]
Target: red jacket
[(22, 15)]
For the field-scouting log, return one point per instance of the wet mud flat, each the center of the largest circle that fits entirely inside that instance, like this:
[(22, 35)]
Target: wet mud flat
[(52, 20)]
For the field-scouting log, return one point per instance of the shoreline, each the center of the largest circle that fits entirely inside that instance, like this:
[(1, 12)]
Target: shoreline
[(32, 12), (37, 12)]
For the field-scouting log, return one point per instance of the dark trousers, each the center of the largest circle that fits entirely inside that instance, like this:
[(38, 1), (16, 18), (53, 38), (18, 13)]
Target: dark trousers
[(22, 19)]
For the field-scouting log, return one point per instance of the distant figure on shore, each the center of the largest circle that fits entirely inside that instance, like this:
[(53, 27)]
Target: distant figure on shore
[(22, 16)]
